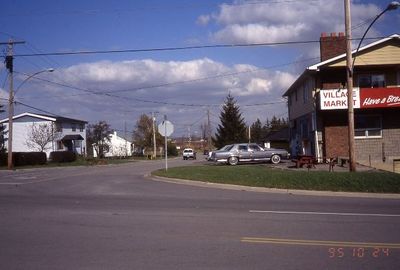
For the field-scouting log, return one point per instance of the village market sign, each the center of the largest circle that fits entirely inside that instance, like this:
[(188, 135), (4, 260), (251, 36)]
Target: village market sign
[(334, 99)]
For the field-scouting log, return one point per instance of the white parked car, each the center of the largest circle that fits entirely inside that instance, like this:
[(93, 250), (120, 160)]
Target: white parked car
[(189, 153)]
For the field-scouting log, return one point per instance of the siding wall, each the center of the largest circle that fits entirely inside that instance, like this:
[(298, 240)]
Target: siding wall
[(385, 54), (297, 106), (21, 129), (387, 147)]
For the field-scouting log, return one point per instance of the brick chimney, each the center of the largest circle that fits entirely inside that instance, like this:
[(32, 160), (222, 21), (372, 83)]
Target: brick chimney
[(332, 45)]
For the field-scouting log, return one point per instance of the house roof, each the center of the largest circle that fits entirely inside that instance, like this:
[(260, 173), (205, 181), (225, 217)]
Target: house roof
[(53, 118), (76, 137), (315, 68)]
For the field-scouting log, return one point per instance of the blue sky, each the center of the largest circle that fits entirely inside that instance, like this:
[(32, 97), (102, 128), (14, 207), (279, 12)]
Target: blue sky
[(256, 76)]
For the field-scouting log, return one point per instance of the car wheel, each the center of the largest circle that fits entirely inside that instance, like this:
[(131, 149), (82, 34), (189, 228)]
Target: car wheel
[(275, 159), (233, 160)]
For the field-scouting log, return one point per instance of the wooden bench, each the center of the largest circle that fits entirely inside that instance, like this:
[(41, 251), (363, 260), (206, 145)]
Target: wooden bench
[(302, 160)]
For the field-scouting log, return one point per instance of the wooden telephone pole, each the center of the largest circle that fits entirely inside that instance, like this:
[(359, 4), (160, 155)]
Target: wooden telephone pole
[(10, 66)]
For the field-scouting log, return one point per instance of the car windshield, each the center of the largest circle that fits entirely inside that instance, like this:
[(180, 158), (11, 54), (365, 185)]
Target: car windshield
[(188, 151), (227, 147)]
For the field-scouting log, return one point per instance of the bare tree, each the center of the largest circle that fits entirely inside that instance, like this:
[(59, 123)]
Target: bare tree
[(143, 133), (40, 136)]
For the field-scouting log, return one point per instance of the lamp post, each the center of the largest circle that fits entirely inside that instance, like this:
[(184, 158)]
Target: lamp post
[(350, 71), (10, 163)]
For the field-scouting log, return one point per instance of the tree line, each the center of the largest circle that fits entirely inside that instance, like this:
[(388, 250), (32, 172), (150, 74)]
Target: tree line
[(232, 129)]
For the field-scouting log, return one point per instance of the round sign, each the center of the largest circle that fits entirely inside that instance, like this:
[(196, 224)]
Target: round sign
[(166, 128)]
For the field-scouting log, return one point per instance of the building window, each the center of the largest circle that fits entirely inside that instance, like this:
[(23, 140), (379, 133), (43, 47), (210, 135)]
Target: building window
[(58, 127), (368, 126), (77, 143), (73, 127), (304, 129), (305, 92), (60, 145), (371, 81), (81, 127)]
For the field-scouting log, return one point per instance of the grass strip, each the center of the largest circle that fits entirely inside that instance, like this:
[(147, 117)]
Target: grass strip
[(263, 176)]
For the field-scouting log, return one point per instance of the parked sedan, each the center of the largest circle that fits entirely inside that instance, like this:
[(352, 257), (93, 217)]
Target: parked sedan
[(248, 152)]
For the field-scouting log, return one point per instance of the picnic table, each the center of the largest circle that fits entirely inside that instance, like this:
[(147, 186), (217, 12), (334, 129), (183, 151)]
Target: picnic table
[(302, 160)]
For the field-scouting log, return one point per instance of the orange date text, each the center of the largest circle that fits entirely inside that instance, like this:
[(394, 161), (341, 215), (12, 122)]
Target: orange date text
[(358, 252)]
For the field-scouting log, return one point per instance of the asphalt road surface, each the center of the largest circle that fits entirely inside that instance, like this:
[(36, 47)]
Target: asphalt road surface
[(113, 217)]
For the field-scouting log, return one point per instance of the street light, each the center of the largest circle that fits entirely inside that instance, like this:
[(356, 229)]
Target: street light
[(349, 74), (11, 112), (30, 76)]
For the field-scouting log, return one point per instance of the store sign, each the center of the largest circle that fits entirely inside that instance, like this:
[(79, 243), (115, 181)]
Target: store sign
[(380, 97), (336, 99)]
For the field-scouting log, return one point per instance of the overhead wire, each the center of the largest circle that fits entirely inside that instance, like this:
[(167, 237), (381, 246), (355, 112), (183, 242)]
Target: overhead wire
[(119, 11), (110, 93)]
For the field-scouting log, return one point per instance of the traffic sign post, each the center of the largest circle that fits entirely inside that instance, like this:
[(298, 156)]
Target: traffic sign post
[(166, 129)]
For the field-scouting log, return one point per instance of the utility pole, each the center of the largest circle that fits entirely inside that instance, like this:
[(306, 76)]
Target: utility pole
[(10, 66), (189, 136), (153, 118), (249, 134), (126, 142), (208, 130), (349, 77)]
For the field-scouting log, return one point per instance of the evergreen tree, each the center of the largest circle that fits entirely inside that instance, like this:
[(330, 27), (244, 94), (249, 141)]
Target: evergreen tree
[(275, 124), (257, 132), (232, 128)]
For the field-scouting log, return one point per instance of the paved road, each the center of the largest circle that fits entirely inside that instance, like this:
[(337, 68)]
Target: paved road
[(112, 217)]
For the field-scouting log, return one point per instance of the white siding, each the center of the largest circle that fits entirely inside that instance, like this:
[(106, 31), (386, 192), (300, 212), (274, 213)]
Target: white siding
[(119, 147), (21, 129)]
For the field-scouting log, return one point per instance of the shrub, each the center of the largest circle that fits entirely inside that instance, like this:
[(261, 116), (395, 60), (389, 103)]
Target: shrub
[(3, 159), (29, 158), (62, 156)]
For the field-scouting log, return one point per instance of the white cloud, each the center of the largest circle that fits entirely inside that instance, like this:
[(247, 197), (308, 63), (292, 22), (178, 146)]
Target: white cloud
[(258, 33), (3, 95), (203, 19), (126, 88), (247, 22)]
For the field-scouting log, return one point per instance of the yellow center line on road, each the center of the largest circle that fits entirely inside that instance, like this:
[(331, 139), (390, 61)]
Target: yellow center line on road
[(280, 241)]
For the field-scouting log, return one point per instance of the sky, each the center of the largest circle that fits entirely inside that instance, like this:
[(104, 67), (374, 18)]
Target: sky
[(159, 56)]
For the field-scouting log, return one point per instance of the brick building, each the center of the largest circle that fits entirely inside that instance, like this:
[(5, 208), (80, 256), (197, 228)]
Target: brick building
[(317, 102)]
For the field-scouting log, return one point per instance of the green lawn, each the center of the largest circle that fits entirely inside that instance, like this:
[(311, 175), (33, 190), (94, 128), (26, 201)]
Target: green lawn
[(263, 176)]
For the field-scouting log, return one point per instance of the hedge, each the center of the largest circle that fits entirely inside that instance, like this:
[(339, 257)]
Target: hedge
[(24, 158), (62, 156)]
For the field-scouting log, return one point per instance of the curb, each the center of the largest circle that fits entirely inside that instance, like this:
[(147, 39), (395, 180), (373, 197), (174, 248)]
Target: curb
[(274, 190)]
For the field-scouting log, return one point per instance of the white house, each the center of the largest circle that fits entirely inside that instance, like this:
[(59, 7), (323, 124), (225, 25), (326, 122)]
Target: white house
[(69, 134), (119, 147)]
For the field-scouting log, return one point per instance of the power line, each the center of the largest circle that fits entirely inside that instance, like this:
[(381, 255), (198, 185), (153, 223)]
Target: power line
[(35, 108), (116, 11), (110, 93), (89, 52), (168, 48)]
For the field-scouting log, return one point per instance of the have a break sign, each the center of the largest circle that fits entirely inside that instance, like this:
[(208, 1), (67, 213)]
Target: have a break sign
[(334, 99)]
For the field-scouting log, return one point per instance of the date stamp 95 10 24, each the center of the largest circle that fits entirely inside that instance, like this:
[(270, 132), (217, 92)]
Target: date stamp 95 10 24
[(358, 252)]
